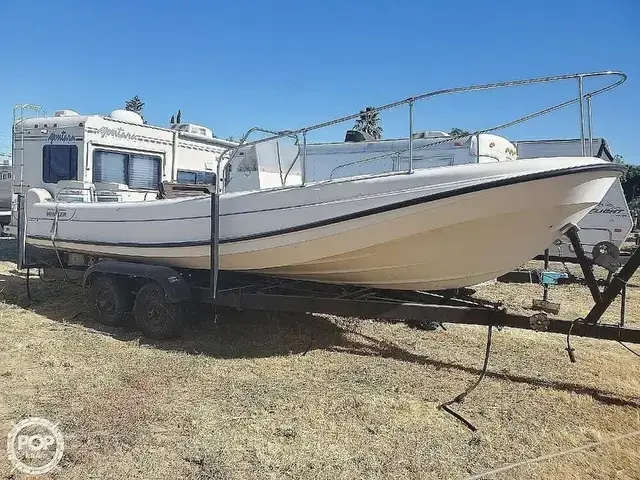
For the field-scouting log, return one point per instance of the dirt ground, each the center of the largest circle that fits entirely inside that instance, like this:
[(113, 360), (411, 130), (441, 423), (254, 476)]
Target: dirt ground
[(300, 396)]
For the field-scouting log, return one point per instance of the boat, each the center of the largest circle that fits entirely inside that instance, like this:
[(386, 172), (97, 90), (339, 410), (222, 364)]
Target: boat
[(434, 229), (436, 225)]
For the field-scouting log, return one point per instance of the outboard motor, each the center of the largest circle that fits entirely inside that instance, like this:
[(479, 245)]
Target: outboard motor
[(358, 136)]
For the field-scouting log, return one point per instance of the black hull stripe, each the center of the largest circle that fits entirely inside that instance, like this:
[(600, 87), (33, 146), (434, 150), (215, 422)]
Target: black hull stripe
[(363, 213)]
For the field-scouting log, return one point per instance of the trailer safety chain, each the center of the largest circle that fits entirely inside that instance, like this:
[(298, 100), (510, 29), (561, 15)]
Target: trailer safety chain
[(460, 398)]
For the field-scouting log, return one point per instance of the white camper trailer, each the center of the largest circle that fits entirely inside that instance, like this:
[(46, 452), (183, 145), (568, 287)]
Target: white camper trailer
[(108, 158), (5, 193), (610, 220)]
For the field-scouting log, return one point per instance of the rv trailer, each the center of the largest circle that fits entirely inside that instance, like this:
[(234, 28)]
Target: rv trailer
[(5, 194), (107, 158)]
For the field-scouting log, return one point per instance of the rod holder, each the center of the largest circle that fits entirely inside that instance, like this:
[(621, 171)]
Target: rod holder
[(410, 137), (303, 167), (580, 101), (589, 125)]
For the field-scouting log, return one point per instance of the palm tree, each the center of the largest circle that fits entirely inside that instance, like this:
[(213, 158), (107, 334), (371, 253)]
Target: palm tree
[(458, 132), (369, 122)]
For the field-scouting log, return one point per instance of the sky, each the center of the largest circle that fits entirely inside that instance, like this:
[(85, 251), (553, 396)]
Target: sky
[(287, 64)]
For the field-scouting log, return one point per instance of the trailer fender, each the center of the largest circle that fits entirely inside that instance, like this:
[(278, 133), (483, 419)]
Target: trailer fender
[(174, 285)]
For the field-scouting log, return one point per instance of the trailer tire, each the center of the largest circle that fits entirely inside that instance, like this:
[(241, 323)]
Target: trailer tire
[(156, 316), (110, 301)]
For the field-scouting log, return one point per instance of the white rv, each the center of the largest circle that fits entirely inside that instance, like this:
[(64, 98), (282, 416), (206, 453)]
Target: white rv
[(5, 193), (109, 158), (610, 220)]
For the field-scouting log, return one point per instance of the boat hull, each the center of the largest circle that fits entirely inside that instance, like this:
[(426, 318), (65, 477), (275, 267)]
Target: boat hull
[(424, 237)]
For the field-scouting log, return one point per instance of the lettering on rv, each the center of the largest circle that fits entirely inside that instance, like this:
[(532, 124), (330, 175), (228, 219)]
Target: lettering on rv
[(609, 208), (116, 133), (62, 137), (51, 212)]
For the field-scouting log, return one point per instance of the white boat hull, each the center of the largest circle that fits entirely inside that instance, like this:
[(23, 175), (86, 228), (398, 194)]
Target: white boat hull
[(435, 229)]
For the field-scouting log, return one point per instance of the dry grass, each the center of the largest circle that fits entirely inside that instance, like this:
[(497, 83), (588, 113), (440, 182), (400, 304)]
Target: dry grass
[(240, 400)]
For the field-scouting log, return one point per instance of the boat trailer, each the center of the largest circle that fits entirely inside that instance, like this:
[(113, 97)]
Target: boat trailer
[(122, 286)]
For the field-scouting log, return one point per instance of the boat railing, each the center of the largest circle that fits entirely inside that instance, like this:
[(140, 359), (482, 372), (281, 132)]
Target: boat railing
[(585, 121)]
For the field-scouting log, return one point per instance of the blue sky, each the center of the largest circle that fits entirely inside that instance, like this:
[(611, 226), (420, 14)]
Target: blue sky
[(233, 65)]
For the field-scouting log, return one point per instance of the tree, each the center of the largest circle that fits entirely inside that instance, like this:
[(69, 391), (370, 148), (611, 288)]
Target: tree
[(630, 184), (458, 132), (369, 122), (177, 118), (135, 105)]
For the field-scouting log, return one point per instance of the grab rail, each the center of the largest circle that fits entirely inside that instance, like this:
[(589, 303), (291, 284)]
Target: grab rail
[(488, 86)]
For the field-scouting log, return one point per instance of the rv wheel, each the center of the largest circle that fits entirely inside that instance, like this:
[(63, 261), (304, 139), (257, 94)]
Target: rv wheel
[(110, 301), (155, 315)]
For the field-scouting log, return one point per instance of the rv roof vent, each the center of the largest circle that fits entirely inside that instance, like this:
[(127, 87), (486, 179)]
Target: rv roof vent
[(193, 129), (65, 113), (126, 116), (430, 134), (358, 136)]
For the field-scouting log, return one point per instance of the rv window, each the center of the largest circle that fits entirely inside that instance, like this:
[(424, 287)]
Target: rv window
[(110, 167), (135, 170), (59, 162), (195, 177), (144, 172)]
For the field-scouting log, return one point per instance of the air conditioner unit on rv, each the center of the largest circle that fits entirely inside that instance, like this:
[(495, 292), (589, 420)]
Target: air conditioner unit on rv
[(126, 116), (65, 113), (193, 129)]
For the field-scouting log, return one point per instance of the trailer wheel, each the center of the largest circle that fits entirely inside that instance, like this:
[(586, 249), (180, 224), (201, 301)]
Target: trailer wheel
[(156, 316), (110, 301)]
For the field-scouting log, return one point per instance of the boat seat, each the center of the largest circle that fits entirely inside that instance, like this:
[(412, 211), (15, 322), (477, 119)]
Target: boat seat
[(111, 192), (175, 190), (73, 191)]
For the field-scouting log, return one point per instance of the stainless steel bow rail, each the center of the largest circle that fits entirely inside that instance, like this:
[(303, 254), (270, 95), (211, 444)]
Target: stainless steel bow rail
[(583, 97)]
